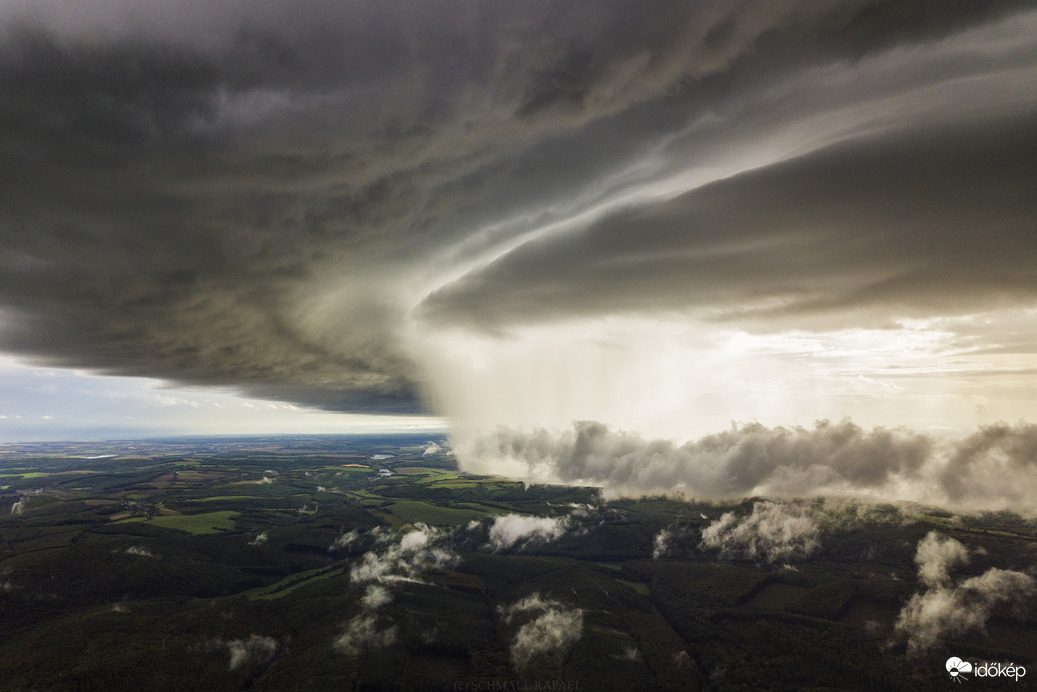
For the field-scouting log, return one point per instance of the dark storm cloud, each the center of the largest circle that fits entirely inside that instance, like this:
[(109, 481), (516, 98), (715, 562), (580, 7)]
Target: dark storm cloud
[(141, 239), (933, 220), (233, 193)]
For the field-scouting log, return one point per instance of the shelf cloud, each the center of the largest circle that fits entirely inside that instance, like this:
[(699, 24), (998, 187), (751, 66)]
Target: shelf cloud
[(384, 209)]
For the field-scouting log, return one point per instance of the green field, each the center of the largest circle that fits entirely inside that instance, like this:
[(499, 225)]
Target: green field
[(414, 511), (484, 509), (198, 524), (97, 595), (637, 586), (290, 584)]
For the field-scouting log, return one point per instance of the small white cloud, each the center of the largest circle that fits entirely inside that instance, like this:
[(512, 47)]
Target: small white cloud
[(139, 550), (878, 388), (259, 540), (533, 602), (366, 629), (375, 597), (553, 631), (254, 650), (944, 608), (363, 632), (18, 508), (510, 530), (661, 543), (935, 556), (673, 541), (416, 551), (344, 541), (772, 532)]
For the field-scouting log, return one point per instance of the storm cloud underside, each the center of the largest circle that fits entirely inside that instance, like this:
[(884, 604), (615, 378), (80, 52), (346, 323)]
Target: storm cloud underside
[(527, 214)]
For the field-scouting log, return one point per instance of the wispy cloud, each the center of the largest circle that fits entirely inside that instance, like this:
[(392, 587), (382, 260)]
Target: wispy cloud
[(675, 541), (344, 540), (936, 556), (773, 532), (394, 558), (415, 551), (364, 632), (947, 608), (257, 651), (550, 629), (520, 530)]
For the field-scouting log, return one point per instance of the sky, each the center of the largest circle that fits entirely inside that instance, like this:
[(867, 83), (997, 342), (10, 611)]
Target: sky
[(517, 217)]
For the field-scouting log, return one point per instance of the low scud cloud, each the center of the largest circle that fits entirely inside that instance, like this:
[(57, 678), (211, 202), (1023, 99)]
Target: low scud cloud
[(256, 651), (365, 631), (326, 198), (948, 608), (406, 556), (519, 531), (393, 558), (994, 468), (344, 541), (773, 532), (550, 629)]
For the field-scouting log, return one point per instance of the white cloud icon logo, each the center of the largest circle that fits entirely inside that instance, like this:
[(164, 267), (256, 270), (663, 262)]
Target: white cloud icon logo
[(956, 667)]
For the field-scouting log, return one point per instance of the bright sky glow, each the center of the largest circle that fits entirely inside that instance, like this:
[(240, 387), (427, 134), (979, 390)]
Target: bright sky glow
[(58, 404)]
